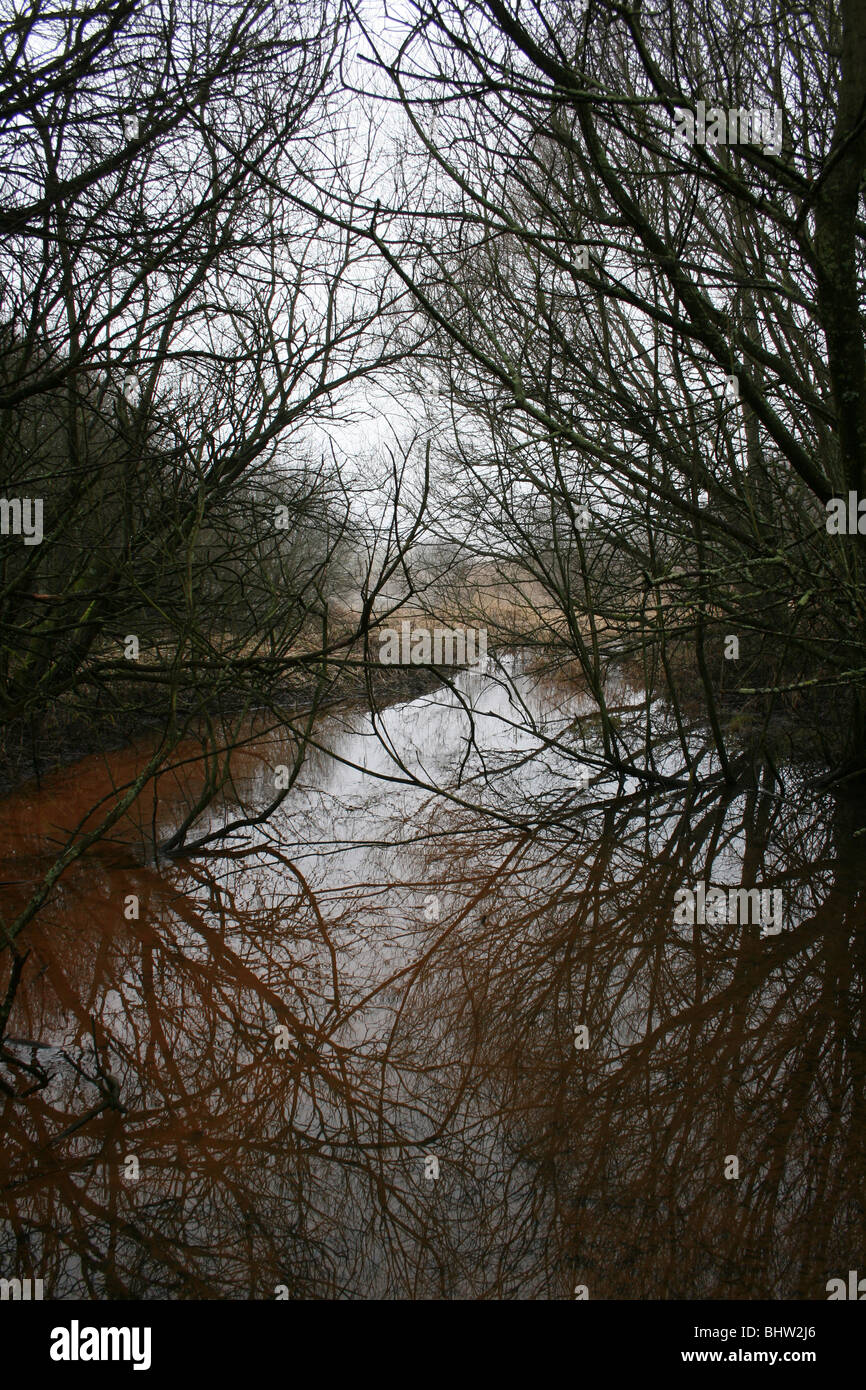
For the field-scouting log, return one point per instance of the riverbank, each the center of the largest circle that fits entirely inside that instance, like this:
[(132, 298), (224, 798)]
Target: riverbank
[(31, 750)]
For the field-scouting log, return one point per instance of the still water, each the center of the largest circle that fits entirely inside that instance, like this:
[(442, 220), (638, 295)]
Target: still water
[(435, 1030)]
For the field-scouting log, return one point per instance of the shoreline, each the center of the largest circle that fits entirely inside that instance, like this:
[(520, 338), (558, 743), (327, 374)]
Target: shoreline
[(29, 754)]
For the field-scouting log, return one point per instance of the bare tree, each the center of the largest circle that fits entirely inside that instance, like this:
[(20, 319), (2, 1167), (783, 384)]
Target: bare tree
[(636, 239), (181, 326)]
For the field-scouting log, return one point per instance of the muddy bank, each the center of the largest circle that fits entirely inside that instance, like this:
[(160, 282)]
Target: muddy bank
[(31, 750)]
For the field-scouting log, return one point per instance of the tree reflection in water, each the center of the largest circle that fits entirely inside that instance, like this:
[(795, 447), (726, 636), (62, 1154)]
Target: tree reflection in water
[(431, 963)]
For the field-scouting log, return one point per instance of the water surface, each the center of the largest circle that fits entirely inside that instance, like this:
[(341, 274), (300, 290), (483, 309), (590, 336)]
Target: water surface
[(389, 979)]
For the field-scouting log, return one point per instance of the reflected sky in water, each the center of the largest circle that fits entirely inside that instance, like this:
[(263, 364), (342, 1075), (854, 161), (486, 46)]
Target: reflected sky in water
[(387, 971)]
